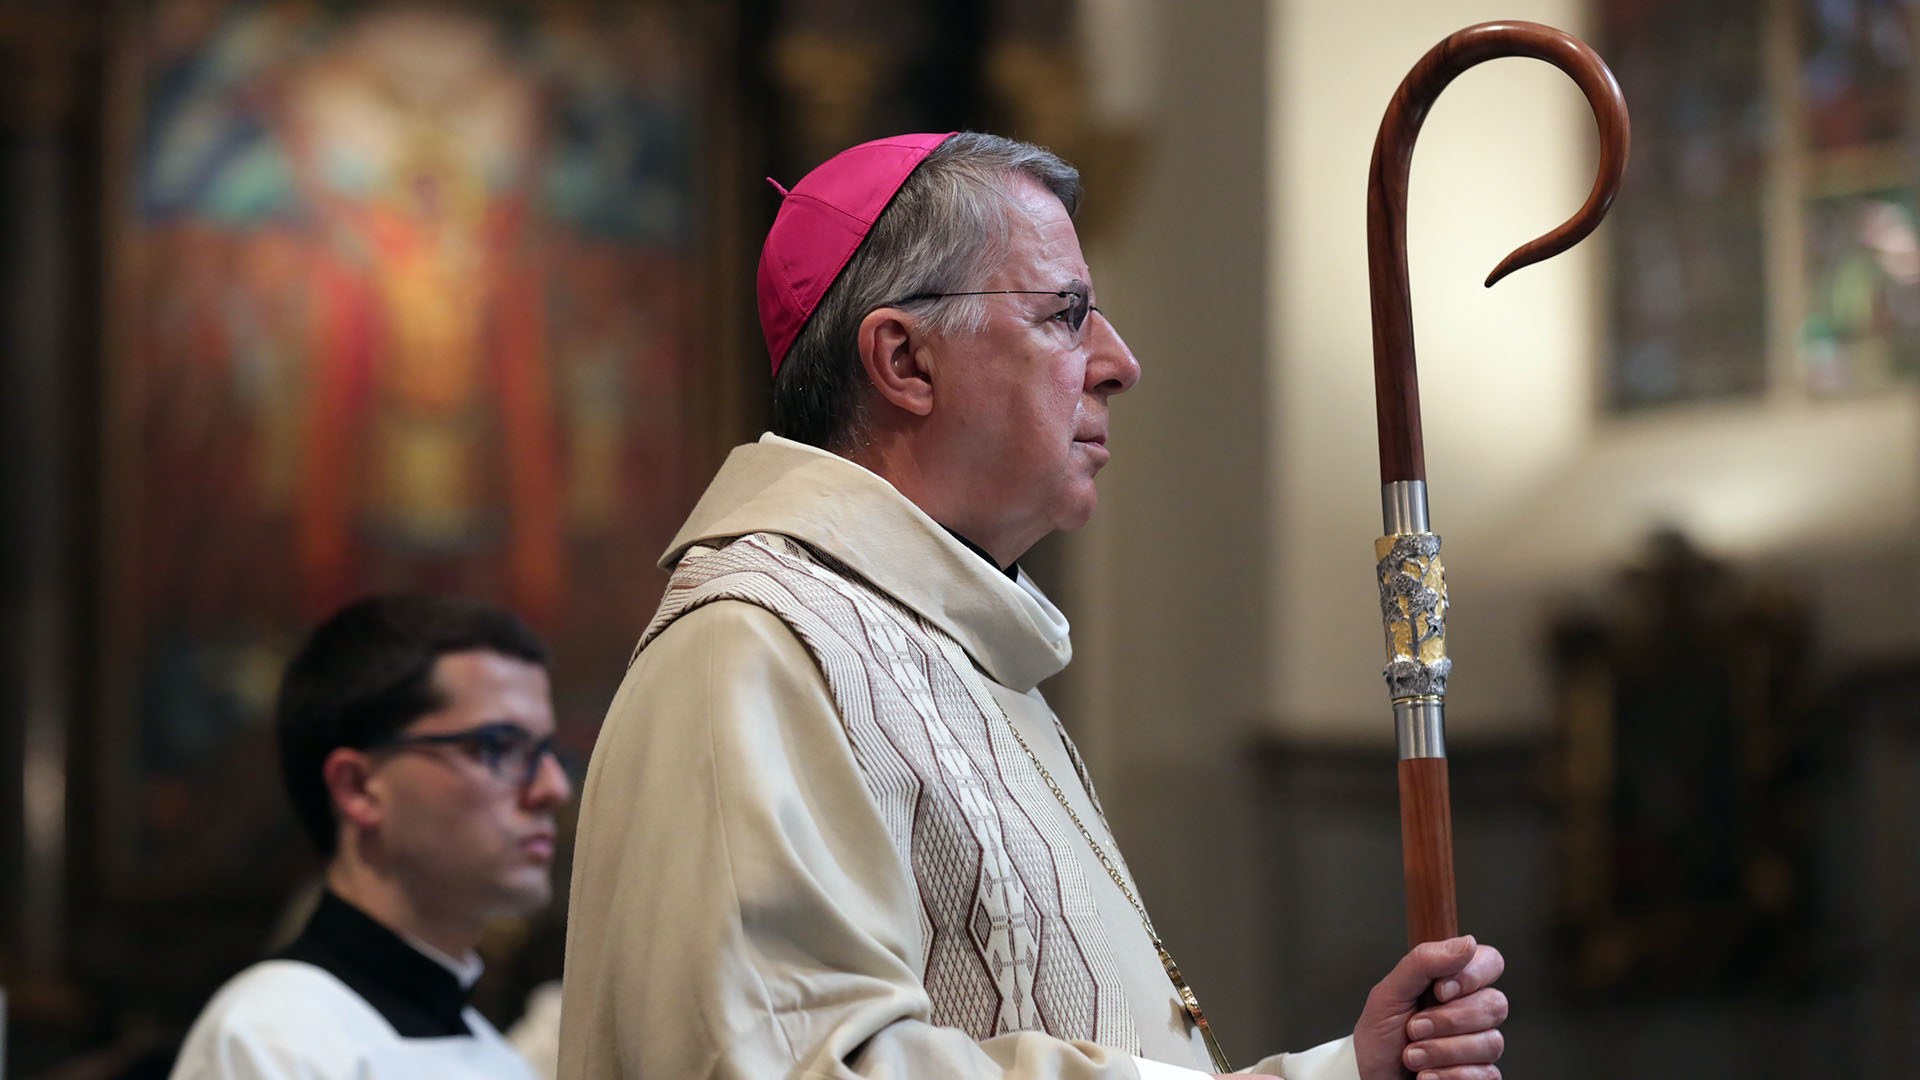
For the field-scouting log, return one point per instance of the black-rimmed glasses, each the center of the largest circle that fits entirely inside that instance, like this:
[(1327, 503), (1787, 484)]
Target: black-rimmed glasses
[(509, 751), (1079, 303)]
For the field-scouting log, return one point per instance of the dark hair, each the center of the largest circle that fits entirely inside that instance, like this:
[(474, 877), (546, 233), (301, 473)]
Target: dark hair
[(946, 230), (365, 673)]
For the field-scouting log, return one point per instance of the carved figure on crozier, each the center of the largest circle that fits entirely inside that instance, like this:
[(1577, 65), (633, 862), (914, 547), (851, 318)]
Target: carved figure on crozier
[(1413, 607)]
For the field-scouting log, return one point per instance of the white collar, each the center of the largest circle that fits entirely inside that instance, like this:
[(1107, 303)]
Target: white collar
[(467, 969)]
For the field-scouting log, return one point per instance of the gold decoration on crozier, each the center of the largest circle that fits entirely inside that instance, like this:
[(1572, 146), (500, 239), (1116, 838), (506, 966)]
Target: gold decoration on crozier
[(1413, 608)]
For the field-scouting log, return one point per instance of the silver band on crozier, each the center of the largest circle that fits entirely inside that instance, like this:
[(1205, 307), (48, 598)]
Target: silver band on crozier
[(1420, 725), (1403, 507)]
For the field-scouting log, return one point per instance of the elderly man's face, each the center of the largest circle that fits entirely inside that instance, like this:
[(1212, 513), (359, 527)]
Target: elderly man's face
[(1022, 403)]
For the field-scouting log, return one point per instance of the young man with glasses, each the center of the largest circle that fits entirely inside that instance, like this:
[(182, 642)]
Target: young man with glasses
[(416, 742), (831, 827)]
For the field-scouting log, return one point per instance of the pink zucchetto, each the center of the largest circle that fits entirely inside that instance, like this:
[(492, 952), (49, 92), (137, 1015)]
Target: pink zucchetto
[(821, 223)]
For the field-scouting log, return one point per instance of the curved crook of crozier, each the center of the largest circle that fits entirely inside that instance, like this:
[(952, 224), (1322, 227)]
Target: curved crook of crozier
[(1397, 393)]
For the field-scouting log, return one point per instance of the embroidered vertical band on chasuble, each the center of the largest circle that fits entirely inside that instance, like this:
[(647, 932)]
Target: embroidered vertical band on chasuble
[(1010, 937)]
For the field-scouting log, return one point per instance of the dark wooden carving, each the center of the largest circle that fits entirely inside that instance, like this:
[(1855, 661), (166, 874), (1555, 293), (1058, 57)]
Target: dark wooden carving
[(1686, 779)]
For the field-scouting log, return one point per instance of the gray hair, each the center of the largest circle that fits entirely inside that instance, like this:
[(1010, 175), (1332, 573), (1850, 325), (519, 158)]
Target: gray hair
[(946, 231)]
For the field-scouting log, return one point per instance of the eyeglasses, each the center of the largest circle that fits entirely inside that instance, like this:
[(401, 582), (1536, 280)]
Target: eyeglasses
[(1079, 303), (509, 751)]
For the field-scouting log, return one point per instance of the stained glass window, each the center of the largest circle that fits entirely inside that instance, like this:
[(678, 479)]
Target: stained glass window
[(1861, 327), (1768, 235), (1688, 306)]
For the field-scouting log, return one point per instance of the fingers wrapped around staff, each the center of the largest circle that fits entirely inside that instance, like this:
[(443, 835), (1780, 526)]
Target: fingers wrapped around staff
[(1455, 1057), (1482, 1010), (1459, 1038), (1461, 1072), (1481, 970), (1451, 969)]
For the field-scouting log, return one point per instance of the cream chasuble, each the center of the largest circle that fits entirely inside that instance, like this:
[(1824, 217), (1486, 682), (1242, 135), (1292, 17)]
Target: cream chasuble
[(809, 845)]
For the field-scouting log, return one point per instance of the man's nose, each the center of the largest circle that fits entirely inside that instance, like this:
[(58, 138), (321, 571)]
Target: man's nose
[(550, 787), (1113, 369)]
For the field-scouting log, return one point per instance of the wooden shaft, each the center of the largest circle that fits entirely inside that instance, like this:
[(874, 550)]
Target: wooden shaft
[(1426, 846)]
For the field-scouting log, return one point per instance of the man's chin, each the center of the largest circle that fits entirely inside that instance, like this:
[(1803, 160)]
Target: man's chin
[(524, 894), (1076, 507)]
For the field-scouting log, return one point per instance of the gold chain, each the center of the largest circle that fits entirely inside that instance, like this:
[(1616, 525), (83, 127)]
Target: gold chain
[(1188, 1000)]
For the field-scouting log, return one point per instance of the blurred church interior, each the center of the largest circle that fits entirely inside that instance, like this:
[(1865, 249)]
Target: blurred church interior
[(304, 300)]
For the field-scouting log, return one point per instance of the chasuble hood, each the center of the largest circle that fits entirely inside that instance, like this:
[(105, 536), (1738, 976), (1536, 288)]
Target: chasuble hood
[(1010, 629)]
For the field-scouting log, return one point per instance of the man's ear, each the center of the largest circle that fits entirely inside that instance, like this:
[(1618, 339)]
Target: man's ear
[(892, 351), (347, 773)]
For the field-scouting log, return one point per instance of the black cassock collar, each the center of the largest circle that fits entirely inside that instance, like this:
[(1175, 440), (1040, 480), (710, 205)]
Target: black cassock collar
[(1012, 572), (416, 994)]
